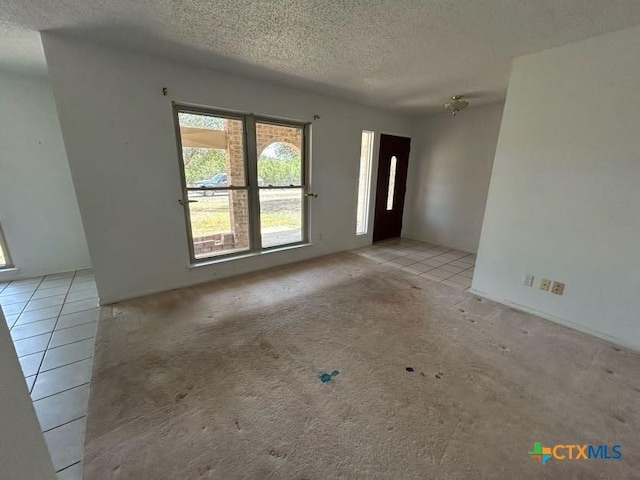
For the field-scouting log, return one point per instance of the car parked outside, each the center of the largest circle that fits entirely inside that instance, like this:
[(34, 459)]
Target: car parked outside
[(218, 180)]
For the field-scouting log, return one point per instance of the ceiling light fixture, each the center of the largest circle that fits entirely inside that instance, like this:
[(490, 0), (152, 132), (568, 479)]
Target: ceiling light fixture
[(456, 104)]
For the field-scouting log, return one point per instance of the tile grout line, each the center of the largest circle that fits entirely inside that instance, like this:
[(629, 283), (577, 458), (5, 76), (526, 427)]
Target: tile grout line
[(54, 329), (51, 318), (435, 256), (50, 306), (25, 305), (72, 465), (58, 295), (18, 318), (61, 366), (59, 346), (62, 425), (68, 328), (48, 347), (433, 268), (67, 364), (62, 391), (397, 253)]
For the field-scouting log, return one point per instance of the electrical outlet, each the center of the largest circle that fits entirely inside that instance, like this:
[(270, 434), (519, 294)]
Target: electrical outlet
[(544, 284), (558, 288), (527, 280)]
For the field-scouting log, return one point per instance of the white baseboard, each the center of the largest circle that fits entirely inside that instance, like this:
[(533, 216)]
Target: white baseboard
[(552, 318)]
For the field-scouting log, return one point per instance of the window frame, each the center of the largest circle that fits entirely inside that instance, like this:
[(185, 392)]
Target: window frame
[(252, 187), (304, 179), (5, 250)]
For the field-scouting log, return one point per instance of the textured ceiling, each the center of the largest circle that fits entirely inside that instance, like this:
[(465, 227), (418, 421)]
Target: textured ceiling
[(21, 50), (408, 55)]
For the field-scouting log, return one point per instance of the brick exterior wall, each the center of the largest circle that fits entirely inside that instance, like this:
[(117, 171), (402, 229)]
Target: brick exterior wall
[(238, 200), (213, 243), (266, 134)]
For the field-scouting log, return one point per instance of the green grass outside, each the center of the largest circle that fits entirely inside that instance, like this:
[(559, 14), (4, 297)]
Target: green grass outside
[(211, 214)]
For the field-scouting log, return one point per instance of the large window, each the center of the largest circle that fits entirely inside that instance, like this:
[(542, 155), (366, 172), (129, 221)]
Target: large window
[(5, 260), (244, 182), (364, 184)]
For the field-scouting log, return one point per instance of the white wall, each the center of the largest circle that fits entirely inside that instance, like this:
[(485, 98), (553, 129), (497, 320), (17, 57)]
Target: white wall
[(564, 200), (449, 177), (119, 134), (38, 208), (23, 452)]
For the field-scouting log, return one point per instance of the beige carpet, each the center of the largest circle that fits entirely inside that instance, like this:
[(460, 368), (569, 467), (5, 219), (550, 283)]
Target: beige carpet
[(222, 381)]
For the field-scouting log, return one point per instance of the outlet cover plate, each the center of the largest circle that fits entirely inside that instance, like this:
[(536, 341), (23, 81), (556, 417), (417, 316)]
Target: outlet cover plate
[(557, 288), (545, 283)]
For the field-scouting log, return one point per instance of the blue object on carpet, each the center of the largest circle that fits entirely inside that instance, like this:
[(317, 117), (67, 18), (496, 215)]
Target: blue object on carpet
[(325, 377)]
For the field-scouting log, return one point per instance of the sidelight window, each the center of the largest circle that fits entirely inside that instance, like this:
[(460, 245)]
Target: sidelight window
[(364, 183)]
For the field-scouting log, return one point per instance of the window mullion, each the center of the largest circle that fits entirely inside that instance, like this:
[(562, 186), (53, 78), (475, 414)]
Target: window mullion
[(252, 179), (306, 182)]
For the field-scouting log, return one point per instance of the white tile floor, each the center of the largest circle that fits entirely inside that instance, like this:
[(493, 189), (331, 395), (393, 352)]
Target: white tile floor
[(440, 264), (53, 323)]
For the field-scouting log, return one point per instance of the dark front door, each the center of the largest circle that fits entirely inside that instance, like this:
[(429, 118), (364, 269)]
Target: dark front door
[(392, 185)]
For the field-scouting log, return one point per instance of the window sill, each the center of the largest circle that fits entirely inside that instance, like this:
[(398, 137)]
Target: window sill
[(217, 261), (8, 270)]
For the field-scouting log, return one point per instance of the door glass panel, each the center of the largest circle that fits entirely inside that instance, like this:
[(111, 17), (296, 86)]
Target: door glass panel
[(281, 216), (212, 150), (219, 222), (392, 183), (279, 150)]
